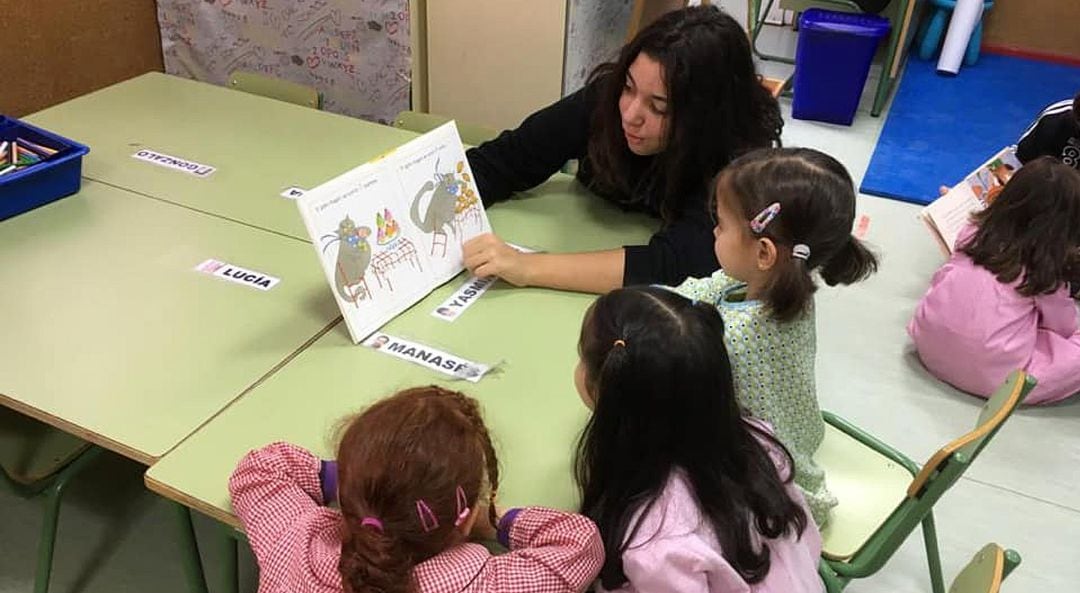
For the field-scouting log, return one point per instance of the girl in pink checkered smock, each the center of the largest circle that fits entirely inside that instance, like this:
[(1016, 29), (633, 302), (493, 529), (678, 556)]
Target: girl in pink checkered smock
[(1002, 302), (409, 476)]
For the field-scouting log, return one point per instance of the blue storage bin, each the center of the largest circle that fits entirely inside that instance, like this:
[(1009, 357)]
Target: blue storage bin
[(56, 177), (832, 60)]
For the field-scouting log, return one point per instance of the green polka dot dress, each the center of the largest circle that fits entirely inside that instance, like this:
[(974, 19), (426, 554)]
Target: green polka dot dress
[(773, 366)]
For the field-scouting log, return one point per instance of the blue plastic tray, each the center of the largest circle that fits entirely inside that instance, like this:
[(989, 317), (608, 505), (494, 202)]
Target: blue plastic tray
[(55, 178)]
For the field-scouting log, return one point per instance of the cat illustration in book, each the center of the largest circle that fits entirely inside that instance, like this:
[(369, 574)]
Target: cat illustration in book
[(445, 190), (353, 259)]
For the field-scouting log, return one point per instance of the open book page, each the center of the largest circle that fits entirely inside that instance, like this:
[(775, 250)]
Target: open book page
[(389, 232), (948, 215)]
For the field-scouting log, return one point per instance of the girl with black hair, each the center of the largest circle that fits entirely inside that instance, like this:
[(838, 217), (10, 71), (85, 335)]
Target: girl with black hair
[(1002, 301), (650, 130), (689, 495), (783, 216)]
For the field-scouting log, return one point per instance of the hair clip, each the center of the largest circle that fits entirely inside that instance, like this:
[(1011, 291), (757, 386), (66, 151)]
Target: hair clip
[(619, 343), (373, 523), (428, 520), (801, 251), (463, 509), (764, 217)]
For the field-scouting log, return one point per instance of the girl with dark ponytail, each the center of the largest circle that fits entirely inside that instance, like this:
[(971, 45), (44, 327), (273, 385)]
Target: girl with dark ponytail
[(784, 217), (689, 494), (415, 478)]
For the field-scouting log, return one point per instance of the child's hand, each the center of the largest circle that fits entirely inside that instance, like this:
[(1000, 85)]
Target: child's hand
[(488, 255), (943, 190), (482, 528)]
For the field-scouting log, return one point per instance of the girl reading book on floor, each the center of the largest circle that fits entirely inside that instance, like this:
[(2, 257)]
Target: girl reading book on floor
[(1002, 302)]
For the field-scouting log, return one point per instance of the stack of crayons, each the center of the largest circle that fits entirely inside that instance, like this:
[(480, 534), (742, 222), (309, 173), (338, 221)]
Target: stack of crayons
[(18, 154)]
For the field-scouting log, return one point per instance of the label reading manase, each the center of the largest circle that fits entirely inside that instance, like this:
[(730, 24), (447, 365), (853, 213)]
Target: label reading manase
[(237, 274), (175, 163)]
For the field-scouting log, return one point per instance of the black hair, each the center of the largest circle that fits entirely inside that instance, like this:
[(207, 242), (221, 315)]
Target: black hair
[(717, 107), (664, 399), (1031, 231), (817, 209)]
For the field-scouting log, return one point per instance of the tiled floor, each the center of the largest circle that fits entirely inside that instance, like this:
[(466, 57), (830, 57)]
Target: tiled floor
[(1024, 492)]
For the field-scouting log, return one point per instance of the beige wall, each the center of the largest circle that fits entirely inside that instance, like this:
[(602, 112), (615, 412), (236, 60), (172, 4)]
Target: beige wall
[(1046, 26), (55, 50), (493, 62)]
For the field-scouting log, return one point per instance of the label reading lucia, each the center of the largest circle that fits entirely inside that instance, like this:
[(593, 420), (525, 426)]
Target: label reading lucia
[(237, 274)]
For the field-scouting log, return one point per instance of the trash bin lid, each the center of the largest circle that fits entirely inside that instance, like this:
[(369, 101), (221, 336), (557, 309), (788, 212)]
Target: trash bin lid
[(829, 21)]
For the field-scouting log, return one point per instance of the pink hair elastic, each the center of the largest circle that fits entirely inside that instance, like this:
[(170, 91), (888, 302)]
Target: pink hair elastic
[(463, 509), (372, 522), (428, 520), (764, 217)]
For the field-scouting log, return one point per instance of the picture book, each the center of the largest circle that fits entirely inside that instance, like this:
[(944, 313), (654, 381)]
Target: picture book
[(949, 214), (390, 231)]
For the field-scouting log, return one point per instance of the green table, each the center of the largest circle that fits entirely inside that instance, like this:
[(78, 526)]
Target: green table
[(529, 401), (259, 146), (110, 334)]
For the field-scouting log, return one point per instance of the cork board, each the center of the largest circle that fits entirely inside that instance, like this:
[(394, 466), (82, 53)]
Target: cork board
[(60, 49), (1040, 26)]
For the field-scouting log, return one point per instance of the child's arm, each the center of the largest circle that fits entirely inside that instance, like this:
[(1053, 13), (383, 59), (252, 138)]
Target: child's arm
[(680, 564), (1057, 312), (272, 490), (550, 551)]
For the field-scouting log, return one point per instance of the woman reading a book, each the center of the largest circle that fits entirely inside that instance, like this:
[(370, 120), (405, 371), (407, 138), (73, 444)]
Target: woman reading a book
[(649, 130)]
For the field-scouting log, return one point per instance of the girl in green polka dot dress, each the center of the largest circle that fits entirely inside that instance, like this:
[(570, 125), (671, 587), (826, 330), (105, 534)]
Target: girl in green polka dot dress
[(783, 216)]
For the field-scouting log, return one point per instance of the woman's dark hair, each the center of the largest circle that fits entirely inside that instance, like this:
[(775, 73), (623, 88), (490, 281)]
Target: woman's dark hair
[(664, 399), (817, 209), (418, 445), (1031, 231), (717, 107)]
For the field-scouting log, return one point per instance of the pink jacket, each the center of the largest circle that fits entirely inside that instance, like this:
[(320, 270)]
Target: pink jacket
[(675, 549), (297, 541), (971, 331)]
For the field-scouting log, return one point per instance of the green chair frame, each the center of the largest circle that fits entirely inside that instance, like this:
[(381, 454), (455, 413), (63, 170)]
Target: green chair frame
[(900, 36), (275, 88), (41, 460), (927, 486), (986, 570)]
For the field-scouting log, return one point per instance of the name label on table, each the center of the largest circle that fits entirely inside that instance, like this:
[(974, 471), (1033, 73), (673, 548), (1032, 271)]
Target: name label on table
[(175, 163), (463, 298), (426, 356), (293, 192), (237, 274)]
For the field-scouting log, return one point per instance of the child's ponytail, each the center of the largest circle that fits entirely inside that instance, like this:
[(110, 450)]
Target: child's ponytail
[(371, 562), (852, 263)]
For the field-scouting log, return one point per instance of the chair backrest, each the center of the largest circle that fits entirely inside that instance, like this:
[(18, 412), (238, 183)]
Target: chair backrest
[(960, 453), (275, 88), (414, 121), (939, 473), (986, 570)]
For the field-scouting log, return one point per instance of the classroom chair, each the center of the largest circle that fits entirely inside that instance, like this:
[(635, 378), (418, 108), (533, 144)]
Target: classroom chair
[(414, 121), (884, 495), (899, 12), (986, 570), (275, 88), (38, 459), (932, 31)]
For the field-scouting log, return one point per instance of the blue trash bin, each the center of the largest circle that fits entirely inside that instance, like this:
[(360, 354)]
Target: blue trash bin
[(832, 60)]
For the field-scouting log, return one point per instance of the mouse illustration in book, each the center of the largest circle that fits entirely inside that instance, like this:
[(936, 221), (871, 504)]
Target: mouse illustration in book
[(451, 197), (353, 258)]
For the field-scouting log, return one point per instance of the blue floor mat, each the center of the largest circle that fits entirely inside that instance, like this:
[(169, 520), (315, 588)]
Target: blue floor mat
[(939, 128)]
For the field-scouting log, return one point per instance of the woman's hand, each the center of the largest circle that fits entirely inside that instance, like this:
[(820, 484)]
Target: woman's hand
[(488, 255)]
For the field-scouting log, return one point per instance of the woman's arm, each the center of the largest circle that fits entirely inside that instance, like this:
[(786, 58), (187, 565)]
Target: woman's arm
[(525, 157)]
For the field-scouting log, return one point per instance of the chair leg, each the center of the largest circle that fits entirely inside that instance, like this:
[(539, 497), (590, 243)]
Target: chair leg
[(971, 56), (189, 550), (933, 558), (935, 30), (231, 561), (758, 20), (834, 583), (53, 494)]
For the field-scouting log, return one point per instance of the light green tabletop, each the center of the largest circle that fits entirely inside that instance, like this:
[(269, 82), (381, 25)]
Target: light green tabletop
[(110, 334), (259, 146), (529, 401)]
